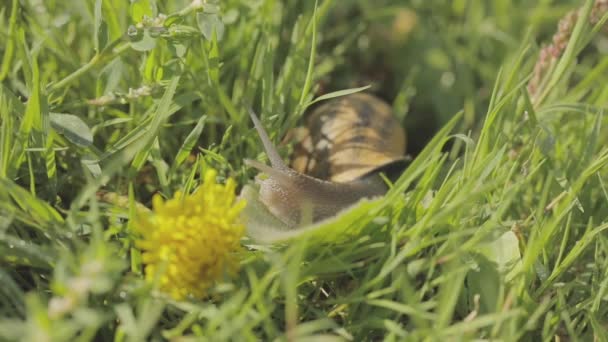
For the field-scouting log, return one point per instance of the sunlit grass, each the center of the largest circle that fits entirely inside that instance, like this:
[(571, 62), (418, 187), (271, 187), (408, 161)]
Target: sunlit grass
[(496, 230)]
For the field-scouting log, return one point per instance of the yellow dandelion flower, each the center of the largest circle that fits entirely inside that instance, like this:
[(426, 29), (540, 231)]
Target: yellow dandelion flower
[(192, 240)]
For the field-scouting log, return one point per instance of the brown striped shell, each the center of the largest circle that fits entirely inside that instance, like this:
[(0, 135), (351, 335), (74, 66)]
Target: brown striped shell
[(348, 138)]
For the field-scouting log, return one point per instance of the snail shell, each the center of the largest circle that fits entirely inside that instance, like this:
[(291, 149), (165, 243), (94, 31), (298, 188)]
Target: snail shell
[(348, 139)]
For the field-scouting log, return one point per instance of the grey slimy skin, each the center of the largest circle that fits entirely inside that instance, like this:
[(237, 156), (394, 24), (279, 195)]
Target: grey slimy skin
[(296, 198)]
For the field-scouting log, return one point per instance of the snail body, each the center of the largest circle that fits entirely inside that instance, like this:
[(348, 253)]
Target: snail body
[(336, 163)]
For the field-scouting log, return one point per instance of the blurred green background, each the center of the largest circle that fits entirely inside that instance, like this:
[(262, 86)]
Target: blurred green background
[(86, 104)]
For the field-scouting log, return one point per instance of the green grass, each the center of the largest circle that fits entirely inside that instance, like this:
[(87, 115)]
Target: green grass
[(496, 230)]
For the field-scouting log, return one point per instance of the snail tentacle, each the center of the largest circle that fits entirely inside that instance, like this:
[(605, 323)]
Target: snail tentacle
[(271, 151)]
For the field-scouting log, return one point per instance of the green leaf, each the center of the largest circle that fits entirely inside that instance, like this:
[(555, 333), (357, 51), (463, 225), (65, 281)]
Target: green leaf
[(9, 45), (503, 251), (163, 111), (338, 93), (146, 43), (141, 128), (51, 166), (15, 252), (231, 16), (73, 128), (178, 49), (576, 250), (39, 211), (160, 165), (311, 58), (189, 142), (209, 23), (100, 29), (141, 8), (92, 164), (11, 291), (214, 61), (494, 260)]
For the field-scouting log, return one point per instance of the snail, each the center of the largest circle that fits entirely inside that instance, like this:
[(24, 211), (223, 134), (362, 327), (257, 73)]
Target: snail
[(339, 155)]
